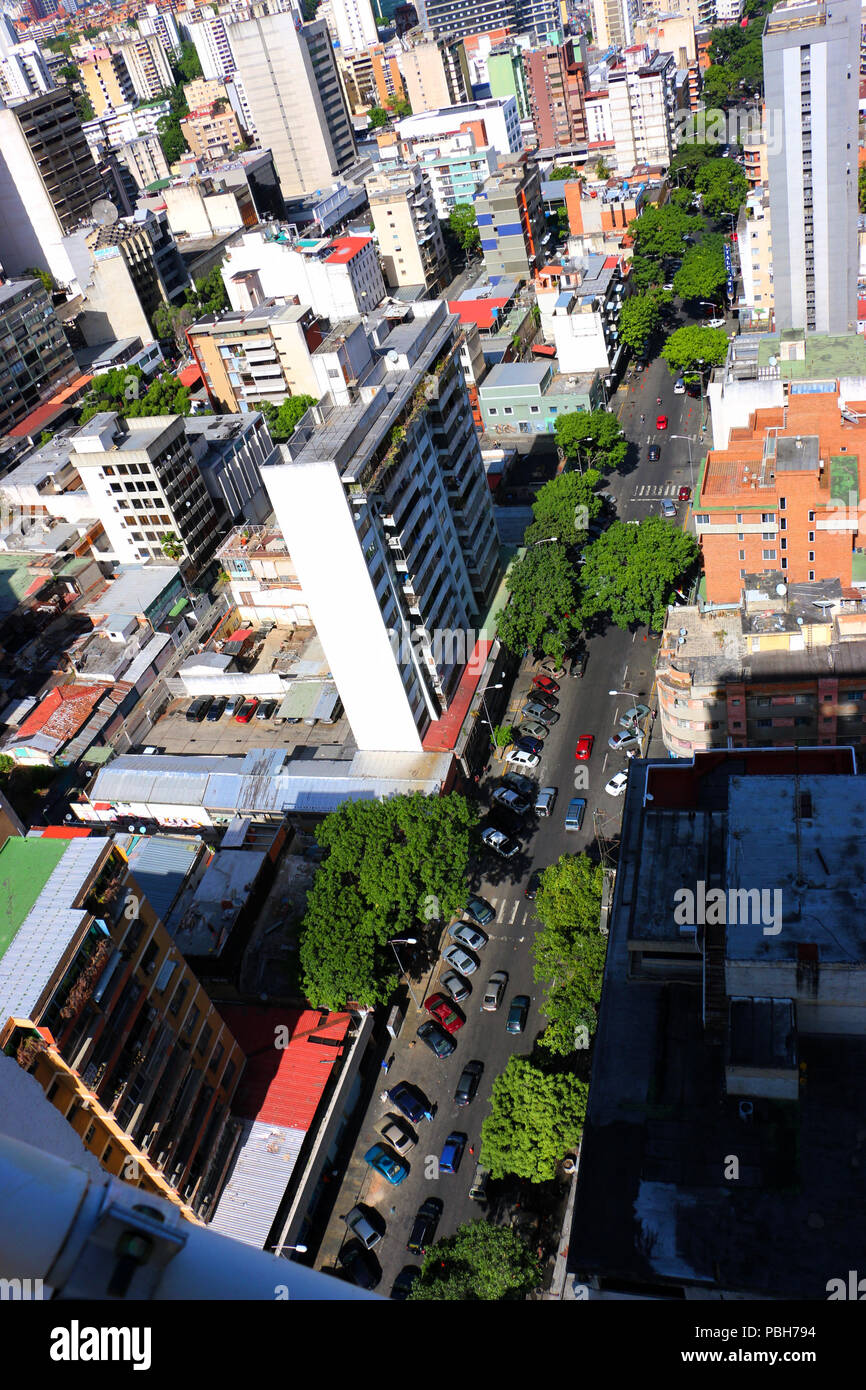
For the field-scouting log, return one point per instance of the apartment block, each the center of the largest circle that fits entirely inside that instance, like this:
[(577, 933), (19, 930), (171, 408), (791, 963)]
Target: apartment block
[(263, 579), (811, 64), (144, 158), (411, 248), (613, 22), (212, 130), (464, 17), (507, 76), (291, 82), (755, 158), (556, 78), (35, 358), (144, 484), (258, 354), (454, 167), (372, 77), (106, 80), (354, 23), (674, 34), (643, 104), (492, 121), (148, 67), (337, 277), (580, 302), (755, 244), (528, 397), (210, 35), (161, 24), (391, 482), (511, 219), (599, 223), (133, 267), (24, 72), (435, 71), (99, 1005)]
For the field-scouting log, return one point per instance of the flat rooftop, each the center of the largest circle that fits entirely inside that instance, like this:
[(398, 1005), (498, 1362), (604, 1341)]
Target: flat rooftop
[(26, 865), (827, 356)]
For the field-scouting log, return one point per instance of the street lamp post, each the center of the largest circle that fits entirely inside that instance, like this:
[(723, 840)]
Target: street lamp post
[(483, 693), (405, 941), (688, 440)]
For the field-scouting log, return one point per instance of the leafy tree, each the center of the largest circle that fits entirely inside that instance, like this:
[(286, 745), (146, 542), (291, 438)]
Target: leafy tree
[(659, 231), (46, 437), (693, 344), (542, 611), (171, 545), (724, 186), (568, 901), (570, 949), (593, 437), (646, 272), (83, 107), (682, 198), (640, 316), (69, 72), (631, 572), (464, 226), (171, 138), (58, 43), (602, 169), (479, 1262), (503, 735), (392, 867), (702, 272), (377, 117), (563, 508), (564, 171), (282, 420), (535, 1118), (721, 85), (172, 321), (209, 296), (44, 276), (399, 107), (187, 65), (125, 390)]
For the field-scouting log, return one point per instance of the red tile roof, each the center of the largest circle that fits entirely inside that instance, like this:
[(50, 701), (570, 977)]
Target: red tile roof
[(345, 248), (441, 736), (284, 1085), (477, 311), (62, 713)]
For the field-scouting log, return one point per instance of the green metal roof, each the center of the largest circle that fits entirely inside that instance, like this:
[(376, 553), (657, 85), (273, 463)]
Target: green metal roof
[(15, 580), (26, 865), (858, 566)]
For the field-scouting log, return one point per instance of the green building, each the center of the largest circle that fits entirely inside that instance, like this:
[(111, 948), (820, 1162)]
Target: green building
[(507, 76)]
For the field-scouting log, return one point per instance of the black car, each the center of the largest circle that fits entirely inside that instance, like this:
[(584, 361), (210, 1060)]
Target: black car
[(532, 886), (654, 453), (529, 744), (216, 710), (403, 1283), (424, 1225), (578, 664), (435, 1037), (541, 697), (470, 1079), (359, 1265)]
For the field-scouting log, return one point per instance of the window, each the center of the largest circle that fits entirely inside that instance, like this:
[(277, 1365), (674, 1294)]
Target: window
[(811, 574), (811, 516), (703, 519), (739, 518), (782, 505), (783, 525), (768, 554), (811, 536), (741, 535), (811, 557), (764, 723), (784, 563), (742, 555), (508, 410), (768, 535), (491, 410), (534, 409), (768, 517)]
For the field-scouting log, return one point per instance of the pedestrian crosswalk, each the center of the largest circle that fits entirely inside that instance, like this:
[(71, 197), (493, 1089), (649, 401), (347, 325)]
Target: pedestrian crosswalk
[(648, 492), (510, 912)]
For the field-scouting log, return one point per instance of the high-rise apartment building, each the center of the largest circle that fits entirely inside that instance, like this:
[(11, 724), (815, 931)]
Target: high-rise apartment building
[(145, 485), (643, 104), (556, 77), (613, 22), (411, 248), (492, 121), (510, 219), (148, 66), (23, 70), (338, 277), (435, 71), (354, 23), (210, 35), (382, 500), (538, 18), (506, 75), (811, 67), (106, 80), (162, 25), (99, 1005), (34, 354), (293, 88), (256, 354)]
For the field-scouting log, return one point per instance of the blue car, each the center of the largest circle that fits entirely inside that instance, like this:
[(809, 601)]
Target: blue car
[(529, 744), (408, 1103), (392, 1168), (452, 1152)]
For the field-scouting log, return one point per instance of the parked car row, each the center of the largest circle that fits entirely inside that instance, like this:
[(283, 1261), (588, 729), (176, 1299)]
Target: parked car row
[(240, 709)]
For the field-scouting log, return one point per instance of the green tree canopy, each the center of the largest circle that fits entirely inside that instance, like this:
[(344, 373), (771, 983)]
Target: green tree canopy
[(479, 1262), (594, 438), (399, 107), (462, 222), (282, 420), (602, 169), (682, 198), (631, 572), (702, 272), (171, 138), (721, 84), (378, 117), (172, 321), (126, 390), (535, 1118), (564, 171), (393, 866), (570, 949), (723, 185), (646, 272), (659, 231), (640, 316), (542, 610), (695, 343), (563, 508), (187, 65)]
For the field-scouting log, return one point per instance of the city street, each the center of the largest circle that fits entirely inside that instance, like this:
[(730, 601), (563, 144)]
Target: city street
[(617, 661)]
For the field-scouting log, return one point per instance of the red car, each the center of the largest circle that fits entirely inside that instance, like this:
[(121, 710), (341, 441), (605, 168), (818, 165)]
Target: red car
[(246, 712), (584, 747), (684, 493), (545, 683), (661, 422), (442, 1009)]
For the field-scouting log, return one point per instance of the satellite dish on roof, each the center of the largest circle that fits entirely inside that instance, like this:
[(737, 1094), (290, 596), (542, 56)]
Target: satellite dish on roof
[(103, 212), (781, 590)]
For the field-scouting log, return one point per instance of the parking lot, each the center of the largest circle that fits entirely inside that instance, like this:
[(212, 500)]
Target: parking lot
[(174, 733)]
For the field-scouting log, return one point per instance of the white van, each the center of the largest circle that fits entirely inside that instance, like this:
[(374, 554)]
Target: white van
[(679, 387)]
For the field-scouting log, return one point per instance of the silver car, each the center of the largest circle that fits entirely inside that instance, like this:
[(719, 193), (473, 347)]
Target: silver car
[(360, 1226), (541, 712), (397, 1133), (465, 934), (533, 728), (460, 960), (545, 801), (625, 739), (456, 986), (494, 991)]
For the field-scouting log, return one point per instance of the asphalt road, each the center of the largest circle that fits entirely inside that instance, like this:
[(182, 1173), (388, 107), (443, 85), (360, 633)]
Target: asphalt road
[(620, 661)]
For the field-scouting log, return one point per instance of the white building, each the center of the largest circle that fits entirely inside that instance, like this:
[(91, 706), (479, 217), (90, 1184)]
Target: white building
[(354, 23), (23, 69), (728, 11), (160, 23), (613, 22), (338, 277), (642, 93), (497, 115), (755, 245), (579, 301), (599, 125), (454, 165)]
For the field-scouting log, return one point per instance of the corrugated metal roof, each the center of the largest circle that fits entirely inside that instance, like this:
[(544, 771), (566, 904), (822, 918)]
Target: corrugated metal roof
[(263, 1166), (160, 865)]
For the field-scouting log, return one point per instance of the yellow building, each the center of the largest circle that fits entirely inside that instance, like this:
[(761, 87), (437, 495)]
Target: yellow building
[(106, 80)]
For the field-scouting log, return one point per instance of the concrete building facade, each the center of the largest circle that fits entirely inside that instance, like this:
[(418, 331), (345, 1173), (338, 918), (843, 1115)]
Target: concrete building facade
[(411, 248), (510, 219)]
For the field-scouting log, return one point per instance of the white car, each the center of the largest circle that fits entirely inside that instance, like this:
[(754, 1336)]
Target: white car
[(499, 842), (617, 783), (461, 961), (519, 757), (679, 387), (545, 801), (715, 323), (494, 991), (465, 934), (398, 1134), (456, 986)]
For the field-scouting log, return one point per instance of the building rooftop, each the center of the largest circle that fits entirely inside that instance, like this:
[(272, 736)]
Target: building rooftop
[(515, 374), (26, 865), (64, 711), (827, 357), (133, 590)]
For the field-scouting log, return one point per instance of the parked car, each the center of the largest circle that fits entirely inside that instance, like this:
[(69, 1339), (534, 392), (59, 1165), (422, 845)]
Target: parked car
[(216, 710), (684, 494), (546, 683), (626, 739), (616, 785), (361, 1267), (465, 934), (532, 884), (432, 1035), (494, 991), (715, 323), (654, 453), (578, 665), (392, 1168), (499, 842), (668, 508), (511, 800), (402, 1285), (522, 757), (198, 709), (470, 1079), (480, 1178), (583, 747), (549, 667), (661, 422), (266, 709), (398, 1134), (407, 1100), (477, 908), (517, 1014), (456, 986), (461, 960), (452, 1152), (541, 697), (530, 728), (246, 711), (538, 711), (526, 787), (545, 801), (633, 716), (424, 1226), (529, 743), (679, 387), (574, 814), (444, 1012), (232, 707), (366, 1225)]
